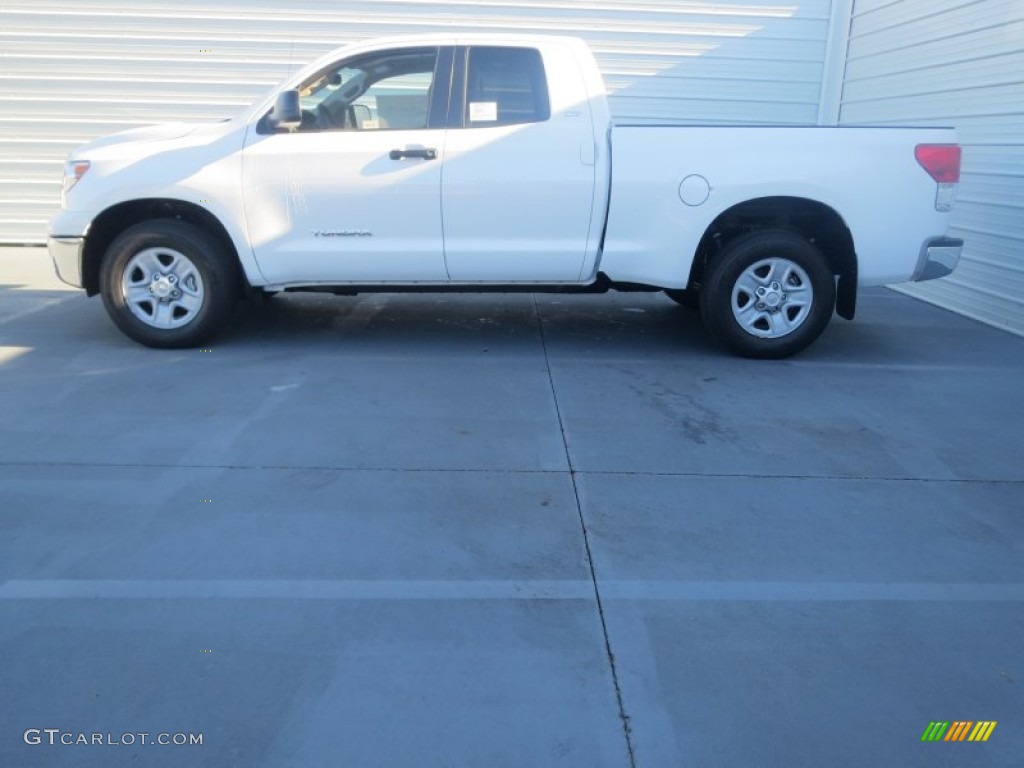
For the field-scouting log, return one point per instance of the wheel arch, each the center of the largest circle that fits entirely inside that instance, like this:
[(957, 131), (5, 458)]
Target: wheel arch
[(117, 218), (817, 222)]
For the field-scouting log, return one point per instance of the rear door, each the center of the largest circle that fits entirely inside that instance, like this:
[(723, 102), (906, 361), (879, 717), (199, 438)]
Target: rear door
[(517, 187)]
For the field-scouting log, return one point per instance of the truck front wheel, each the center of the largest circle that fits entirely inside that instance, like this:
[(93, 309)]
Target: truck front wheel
[(768, 294), (169, 284)]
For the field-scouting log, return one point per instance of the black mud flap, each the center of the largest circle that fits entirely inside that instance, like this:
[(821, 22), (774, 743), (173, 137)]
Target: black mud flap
[(846, 295)]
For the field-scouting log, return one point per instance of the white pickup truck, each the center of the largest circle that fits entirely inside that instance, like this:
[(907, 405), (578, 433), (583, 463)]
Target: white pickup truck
[(490, 163)]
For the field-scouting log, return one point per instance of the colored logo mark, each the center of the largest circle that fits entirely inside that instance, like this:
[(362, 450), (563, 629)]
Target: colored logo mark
[(959, 730)]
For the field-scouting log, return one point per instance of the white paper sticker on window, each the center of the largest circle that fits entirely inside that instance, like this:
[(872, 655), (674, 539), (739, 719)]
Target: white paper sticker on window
[(370, 125), (483, 111)]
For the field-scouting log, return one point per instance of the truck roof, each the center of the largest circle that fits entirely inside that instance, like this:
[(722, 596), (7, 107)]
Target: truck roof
[(464, 38)]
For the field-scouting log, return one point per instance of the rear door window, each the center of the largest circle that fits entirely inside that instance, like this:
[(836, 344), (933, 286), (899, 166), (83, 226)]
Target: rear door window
[(505, 86)]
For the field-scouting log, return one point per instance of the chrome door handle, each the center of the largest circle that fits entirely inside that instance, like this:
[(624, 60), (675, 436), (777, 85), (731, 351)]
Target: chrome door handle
[(401, 154)]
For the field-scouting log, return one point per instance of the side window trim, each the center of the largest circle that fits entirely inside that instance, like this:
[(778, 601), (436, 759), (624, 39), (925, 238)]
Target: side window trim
[(441, 89), (460, 82)]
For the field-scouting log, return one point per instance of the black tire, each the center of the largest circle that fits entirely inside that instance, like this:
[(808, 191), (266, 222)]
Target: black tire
[(786, 319), (684, 297), (207, 265)]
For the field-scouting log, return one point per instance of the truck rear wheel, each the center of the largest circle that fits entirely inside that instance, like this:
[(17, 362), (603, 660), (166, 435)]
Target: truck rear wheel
[(768, 295), (168, 284)]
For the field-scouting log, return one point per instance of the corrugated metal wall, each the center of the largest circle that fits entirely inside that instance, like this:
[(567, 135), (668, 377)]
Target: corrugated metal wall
[(73, 70), (954, 62)]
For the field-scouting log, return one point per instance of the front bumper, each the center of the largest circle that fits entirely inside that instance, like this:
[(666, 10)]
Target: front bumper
[(66, 253), (939, 257)]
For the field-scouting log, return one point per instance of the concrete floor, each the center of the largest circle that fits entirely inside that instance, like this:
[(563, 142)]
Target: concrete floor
[(506, 531)]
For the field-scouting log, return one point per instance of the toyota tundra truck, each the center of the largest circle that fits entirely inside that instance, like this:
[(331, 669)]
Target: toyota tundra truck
[(491, 163)]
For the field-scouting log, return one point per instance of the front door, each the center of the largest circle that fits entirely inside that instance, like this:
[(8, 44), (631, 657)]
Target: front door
[(353, 194)]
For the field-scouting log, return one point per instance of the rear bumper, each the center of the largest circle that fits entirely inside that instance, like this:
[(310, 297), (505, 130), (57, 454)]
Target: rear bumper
[(939, 257), (66, 253)]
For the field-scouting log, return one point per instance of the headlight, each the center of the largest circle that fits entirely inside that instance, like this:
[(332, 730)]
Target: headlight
[(73, 171)]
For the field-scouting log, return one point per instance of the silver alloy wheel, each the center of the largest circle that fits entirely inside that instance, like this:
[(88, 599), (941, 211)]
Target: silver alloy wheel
[(162, 288), (772, 298)]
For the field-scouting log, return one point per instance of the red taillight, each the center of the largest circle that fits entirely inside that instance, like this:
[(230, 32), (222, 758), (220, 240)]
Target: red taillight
[(942, 161)]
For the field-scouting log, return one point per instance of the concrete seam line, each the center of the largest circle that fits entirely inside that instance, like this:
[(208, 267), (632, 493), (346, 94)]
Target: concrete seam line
[(505, 471), (623, 716), (457, 589)]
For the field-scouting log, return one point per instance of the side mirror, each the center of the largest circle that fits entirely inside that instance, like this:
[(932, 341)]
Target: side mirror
[(286, 112)]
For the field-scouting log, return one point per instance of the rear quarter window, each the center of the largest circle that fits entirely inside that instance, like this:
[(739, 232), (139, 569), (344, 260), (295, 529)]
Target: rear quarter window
[(505, 86)]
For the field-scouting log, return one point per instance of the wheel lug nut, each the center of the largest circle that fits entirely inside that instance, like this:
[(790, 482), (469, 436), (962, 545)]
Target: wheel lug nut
[(172, 278)]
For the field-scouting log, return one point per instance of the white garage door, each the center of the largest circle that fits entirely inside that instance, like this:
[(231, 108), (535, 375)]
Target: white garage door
[(71, 70), (960, 63)]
